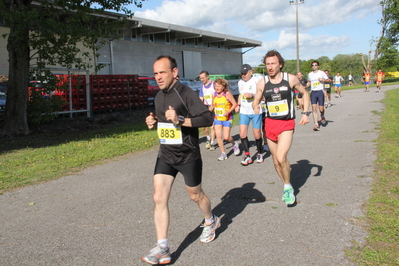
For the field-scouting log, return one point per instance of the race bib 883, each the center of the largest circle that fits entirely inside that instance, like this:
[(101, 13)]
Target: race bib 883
[(169, 133)]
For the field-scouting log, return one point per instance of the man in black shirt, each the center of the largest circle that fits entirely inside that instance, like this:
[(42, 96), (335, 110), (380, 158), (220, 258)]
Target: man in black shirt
[(327, 89), (299, 96), (178, 115)]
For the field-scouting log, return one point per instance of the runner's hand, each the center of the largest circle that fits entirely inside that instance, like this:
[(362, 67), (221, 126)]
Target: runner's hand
[(171, 115), (304, 120), (150, 121)]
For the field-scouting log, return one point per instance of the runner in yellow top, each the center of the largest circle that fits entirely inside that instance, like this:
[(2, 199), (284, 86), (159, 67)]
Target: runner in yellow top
[(366, 78), (223, 105)]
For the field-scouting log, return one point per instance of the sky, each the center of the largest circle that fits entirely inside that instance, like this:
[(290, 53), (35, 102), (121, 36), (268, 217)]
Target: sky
[(326, 27)]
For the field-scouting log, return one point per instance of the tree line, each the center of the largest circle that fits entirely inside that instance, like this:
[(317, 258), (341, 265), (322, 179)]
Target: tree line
[(345, 64)]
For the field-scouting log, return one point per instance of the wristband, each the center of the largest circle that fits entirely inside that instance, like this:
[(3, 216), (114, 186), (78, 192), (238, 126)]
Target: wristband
[(181, 119)]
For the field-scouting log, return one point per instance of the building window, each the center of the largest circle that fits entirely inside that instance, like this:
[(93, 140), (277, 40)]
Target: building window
[(133, 33), (167, 37), (183, 41), (151, 38)]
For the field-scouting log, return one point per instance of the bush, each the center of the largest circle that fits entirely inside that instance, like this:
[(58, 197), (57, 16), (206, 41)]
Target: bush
[(42, 108)]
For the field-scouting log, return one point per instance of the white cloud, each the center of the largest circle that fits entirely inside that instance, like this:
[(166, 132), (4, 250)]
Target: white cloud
[(325, 25), (258, 16)]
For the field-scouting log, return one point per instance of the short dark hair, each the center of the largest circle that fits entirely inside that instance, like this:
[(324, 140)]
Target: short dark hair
[(317, 62), (172, 61), (204, 72), (272, 53)]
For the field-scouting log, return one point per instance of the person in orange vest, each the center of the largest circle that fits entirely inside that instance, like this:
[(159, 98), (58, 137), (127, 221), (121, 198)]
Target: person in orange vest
[(367, 78), (379, 76)]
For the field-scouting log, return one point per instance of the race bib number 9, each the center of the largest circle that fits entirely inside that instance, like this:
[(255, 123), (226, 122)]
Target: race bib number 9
[(278, 108), (169, 133)]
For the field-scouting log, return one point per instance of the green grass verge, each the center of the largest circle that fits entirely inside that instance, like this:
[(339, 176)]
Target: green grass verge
[(43, 157), (382, 209)]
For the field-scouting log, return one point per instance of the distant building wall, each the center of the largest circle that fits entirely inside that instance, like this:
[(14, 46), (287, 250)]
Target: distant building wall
[(132, 57)]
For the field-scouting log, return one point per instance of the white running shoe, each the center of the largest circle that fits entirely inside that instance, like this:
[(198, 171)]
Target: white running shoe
[(209, 232), (259, 158), (246, 160), (236, 149), (222, 157)]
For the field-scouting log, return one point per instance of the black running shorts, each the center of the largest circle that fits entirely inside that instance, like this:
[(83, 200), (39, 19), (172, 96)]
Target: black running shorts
[(192, 172)]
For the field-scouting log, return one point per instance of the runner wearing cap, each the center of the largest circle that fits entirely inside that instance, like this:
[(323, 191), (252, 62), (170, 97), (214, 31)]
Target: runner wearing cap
[(247, 90)]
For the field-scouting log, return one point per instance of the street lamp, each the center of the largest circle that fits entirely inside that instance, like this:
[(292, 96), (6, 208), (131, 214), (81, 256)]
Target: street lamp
[(295, 2)]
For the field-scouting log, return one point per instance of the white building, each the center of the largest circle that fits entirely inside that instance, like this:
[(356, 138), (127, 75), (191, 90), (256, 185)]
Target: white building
[(143, 40)]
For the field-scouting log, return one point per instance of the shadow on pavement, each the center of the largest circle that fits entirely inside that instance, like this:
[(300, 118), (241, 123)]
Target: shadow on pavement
[(231, 205), (300, 172)]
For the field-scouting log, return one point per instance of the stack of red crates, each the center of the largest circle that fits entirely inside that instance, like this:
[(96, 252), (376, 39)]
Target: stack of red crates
[(78, 87), (108, 92), (117, 92), (142, 92)]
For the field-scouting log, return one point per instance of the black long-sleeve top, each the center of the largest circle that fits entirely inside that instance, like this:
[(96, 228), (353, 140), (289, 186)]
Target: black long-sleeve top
[(186, 103)]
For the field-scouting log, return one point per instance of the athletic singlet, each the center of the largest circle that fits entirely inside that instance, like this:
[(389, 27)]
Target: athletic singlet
[(279, 99), (207, 91), (338, 79), (222, 104), (315, 84), (367, 77), (379, 76), (247, 87), (327, 85)]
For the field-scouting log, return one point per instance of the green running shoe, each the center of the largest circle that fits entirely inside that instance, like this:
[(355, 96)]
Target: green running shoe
[(288, 196)]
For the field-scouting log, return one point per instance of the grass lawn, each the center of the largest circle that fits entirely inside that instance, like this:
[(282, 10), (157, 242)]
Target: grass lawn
[(382, 209)]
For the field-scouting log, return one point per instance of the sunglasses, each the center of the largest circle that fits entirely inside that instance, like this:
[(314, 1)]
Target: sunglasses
[(315, 65)]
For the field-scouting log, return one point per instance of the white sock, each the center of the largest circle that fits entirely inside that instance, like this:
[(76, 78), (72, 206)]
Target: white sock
[(163, 243), (210, 221), (208, 137), (287, 186)]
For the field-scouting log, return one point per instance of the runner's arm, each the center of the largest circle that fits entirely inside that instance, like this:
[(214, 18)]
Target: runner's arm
[(258, 96), (230, 97), (296, 85)]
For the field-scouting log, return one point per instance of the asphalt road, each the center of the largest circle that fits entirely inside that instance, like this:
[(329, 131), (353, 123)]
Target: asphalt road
[(104, 214)]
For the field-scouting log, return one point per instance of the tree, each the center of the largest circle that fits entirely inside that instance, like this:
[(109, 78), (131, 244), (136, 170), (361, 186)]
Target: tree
[(386, 54), (390, 20), (389, 56), (47, 34), (347, 64)]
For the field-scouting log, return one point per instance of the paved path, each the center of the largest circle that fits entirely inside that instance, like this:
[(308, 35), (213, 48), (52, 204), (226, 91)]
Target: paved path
[(103, 215)]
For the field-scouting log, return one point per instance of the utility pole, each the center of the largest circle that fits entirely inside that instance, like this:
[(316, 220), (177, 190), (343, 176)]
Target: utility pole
[(295, 2)]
